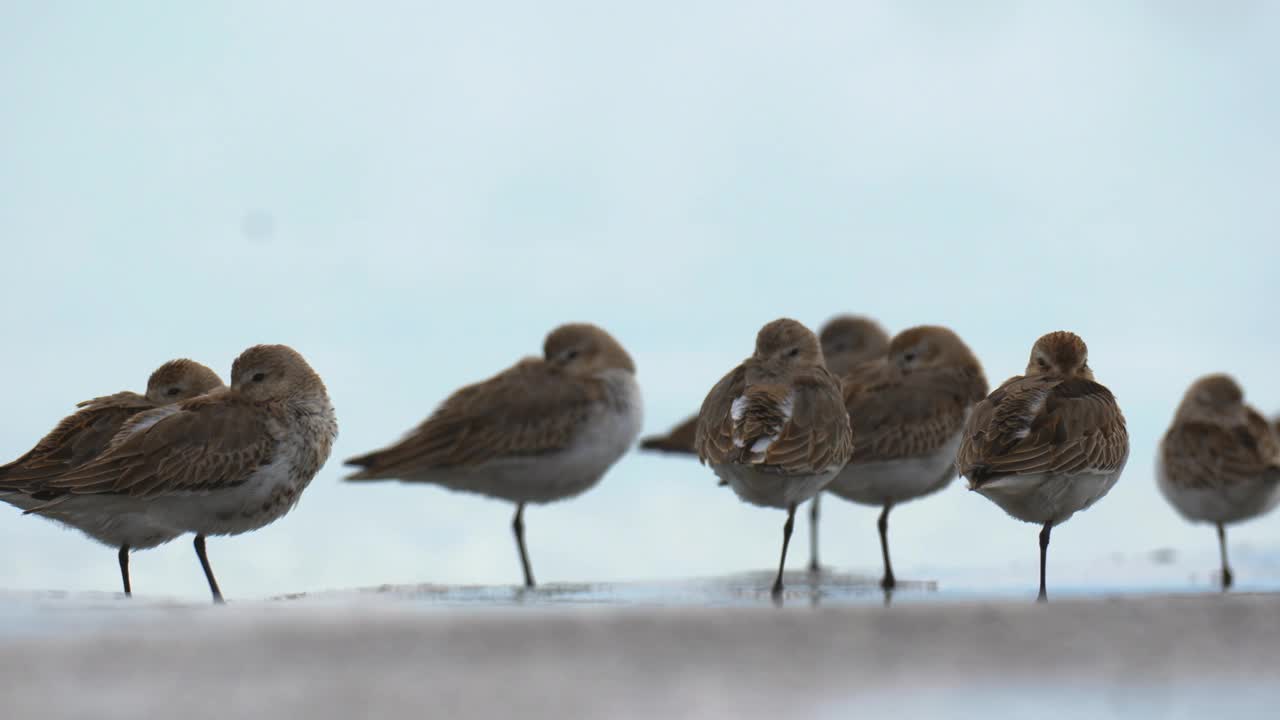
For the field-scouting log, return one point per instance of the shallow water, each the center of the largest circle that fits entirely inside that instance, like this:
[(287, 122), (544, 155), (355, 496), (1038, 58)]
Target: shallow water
[(54, 612)]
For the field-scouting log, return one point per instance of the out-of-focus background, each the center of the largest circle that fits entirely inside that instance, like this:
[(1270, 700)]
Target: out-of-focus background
[(413, 194)]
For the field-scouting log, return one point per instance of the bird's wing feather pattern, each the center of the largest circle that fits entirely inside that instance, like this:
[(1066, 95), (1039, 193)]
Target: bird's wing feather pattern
[(797, 429), (1035, 425), (898, 415), (77, 439), (203, 444), (529, 409), (1208, 455)]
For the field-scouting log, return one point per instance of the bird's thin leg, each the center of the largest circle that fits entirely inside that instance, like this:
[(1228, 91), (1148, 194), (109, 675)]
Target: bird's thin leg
[(517, 526), (786, 540), (813, 534), (1222, 547), (887, 582), (124, 570), (1044, 554), (208, 571)]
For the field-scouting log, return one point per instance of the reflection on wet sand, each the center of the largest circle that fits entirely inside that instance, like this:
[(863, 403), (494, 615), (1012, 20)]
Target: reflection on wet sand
[(803, 589)]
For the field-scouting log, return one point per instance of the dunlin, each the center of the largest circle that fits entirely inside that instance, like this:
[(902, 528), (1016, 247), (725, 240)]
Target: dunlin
[(224, 463), (1048, 444), (847, 340), (907, 410), (83, 436), (545, 429), (1220, 461), (850, 340), (775, 427)]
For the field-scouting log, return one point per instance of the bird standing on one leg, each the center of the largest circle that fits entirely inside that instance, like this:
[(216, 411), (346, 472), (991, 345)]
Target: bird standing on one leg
[(1048, 444), (907, 411), (775, 427), (1219, 461), (545, 429), (847, 341)]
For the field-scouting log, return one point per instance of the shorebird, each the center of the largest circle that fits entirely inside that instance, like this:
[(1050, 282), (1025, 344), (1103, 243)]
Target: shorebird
[(775, 427), (1048, 444), (84, 435), (907, 410), (847, 341), (850, 340), (1220, 460), (223, 463), (543, 430)]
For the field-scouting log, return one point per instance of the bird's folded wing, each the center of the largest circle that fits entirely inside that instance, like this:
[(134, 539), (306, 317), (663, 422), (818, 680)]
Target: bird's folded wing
[(714, 434), (896, 415), (818, 436), (800, 428), (1207, 455), (529, 409), (1035, 425), (207, 443), (77, 439)]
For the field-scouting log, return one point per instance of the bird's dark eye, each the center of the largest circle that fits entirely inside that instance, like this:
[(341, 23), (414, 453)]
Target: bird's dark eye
[(1042, 363), (909, 357), (793, 352), (172, 391), (571, 355), (259, 377)]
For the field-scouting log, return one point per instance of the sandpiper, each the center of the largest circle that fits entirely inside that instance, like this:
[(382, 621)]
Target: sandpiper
[(224, 463), (850, 340), (1220, 460), (83, 436), (907, 410), (775, 427), (1048, 444), (847, 341), (543, 430)]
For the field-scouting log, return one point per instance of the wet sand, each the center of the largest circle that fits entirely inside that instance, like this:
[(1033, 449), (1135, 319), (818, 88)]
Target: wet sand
[(378, 654)]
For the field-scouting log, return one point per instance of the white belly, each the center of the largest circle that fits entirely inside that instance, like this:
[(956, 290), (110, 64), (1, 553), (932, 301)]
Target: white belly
[(605, 438), (1047, 498), (1239, 501), (102, 519), (894, 481), (268, 495), (770, 489)]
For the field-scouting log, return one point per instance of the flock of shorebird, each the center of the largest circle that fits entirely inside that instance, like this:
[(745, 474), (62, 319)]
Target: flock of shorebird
[(873, 420)]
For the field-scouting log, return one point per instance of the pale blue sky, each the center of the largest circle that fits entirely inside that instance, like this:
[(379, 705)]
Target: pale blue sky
[(446, 182)]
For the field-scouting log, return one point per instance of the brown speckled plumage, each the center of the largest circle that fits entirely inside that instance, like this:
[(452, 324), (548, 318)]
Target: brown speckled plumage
[(85, 434), (213, 442), (794, 400), (1054, 420), (537, 406), (846, 340), (1216, 441), (915, 399)]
